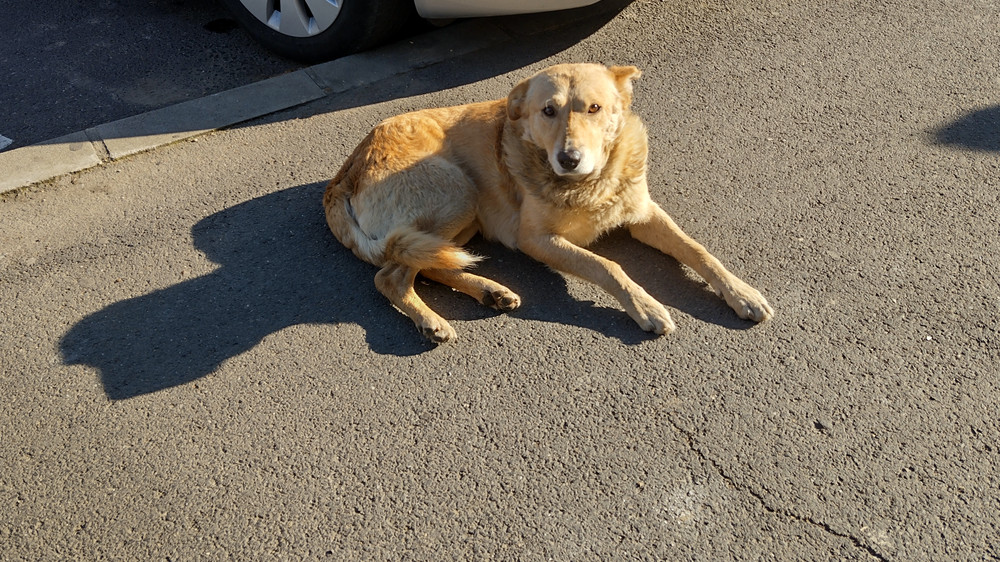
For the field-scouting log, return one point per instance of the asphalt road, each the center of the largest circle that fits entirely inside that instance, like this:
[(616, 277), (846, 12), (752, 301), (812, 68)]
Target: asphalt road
[(193, 368), (67, 66)]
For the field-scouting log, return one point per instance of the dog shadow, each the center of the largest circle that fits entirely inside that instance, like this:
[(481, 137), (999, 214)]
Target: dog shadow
[(280, 266)]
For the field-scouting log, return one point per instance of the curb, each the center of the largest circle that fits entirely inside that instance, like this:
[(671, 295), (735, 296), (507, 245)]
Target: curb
[(107, 142)]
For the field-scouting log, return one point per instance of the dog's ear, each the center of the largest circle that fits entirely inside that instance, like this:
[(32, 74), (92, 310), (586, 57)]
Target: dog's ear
[(623, 79), (516, 99)]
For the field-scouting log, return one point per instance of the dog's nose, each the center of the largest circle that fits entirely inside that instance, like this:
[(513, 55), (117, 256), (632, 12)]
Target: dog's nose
[(568, 159)]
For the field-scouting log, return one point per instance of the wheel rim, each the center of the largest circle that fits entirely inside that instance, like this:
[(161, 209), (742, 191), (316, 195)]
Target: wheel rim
[(295, 18)]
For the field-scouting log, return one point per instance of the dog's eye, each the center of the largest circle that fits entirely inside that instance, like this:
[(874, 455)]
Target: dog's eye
[(549, 111), (594, 108)]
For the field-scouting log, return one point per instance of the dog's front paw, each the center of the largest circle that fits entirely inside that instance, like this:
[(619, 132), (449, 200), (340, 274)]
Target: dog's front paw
[(438, 332), (650, 314), (748, 303)]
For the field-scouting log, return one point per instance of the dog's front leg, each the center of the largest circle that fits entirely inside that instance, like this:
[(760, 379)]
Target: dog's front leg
[(662, 233), (561, 254)]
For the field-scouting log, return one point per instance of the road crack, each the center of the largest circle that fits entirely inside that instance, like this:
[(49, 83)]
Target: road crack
[(779, 511)]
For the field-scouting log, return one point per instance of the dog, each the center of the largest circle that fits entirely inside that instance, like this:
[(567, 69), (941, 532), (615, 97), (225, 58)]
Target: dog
[(546, 171)]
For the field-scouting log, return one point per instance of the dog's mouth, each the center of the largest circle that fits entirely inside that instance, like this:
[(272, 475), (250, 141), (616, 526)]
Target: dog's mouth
[(570, 175)]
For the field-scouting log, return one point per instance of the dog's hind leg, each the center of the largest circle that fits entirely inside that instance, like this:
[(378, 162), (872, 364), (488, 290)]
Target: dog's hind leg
[(395, 281), (486, 291)]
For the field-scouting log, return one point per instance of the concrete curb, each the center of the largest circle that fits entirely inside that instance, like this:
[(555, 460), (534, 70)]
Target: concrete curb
[(78, 151)]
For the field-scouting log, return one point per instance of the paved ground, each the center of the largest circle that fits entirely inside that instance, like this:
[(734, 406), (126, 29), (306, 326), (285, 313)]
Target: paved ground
[(67, 66), (194, 369)]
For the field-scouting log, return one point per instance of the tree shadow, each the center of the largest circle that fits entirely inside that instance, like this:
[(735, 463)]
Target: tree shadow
[(976, 130), (280, 266)]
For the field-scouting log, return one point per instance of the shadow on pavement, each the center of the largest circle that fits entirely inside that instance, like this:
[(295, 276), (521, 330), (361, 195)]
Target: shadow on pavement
[(280, 266), (977, 130), (531, 38)]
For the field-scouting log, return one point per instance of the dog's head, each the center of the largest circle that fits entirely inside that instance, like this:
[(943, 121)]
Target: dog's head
[(573, 112)]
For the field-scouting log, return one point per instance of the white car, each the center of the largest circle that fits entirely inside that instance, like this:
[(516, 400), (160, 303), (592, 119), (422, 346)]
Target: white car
[(314, 30)]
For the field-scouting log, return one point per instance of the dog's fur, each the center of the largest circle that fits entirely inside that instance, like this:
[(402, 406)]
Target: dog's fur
[(546, 171)]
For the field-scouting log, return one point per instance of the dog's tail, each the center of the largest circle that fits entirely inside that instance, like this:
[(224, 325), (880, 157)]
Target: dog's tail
[(424, 250), (405, 245)]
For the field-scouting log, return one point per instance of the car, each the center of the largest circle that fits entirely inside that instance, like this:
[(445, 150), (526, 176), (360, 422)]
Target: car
[(317, 30)]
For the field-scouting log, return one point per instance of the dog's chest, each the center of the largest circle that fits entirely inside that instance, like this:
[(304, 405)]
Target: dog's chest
[(582, 225), (578, 230), (588, 217)]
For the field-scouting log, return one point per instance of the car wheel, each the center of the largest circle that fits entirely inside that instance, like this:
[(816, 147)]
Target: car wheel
[(316, 30)]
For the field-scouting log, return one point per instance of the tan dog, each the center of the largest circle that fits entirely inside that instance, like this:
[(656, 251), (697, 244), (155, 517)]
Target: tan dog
[(546, 171)]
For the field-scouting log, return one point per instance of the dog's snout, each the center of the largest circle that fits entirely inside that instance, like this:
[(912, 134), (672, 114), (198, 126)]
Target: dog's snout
[(568, 159)]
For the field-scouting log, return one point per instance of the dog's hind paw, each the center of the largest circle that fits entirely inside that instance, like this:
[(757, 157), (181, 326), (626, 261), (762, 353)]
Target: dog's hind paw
[(504, 300)]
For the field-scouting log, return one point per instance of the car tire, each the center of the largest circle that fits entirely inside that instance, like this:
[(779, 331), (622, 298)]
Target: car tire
[(359, 25)]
